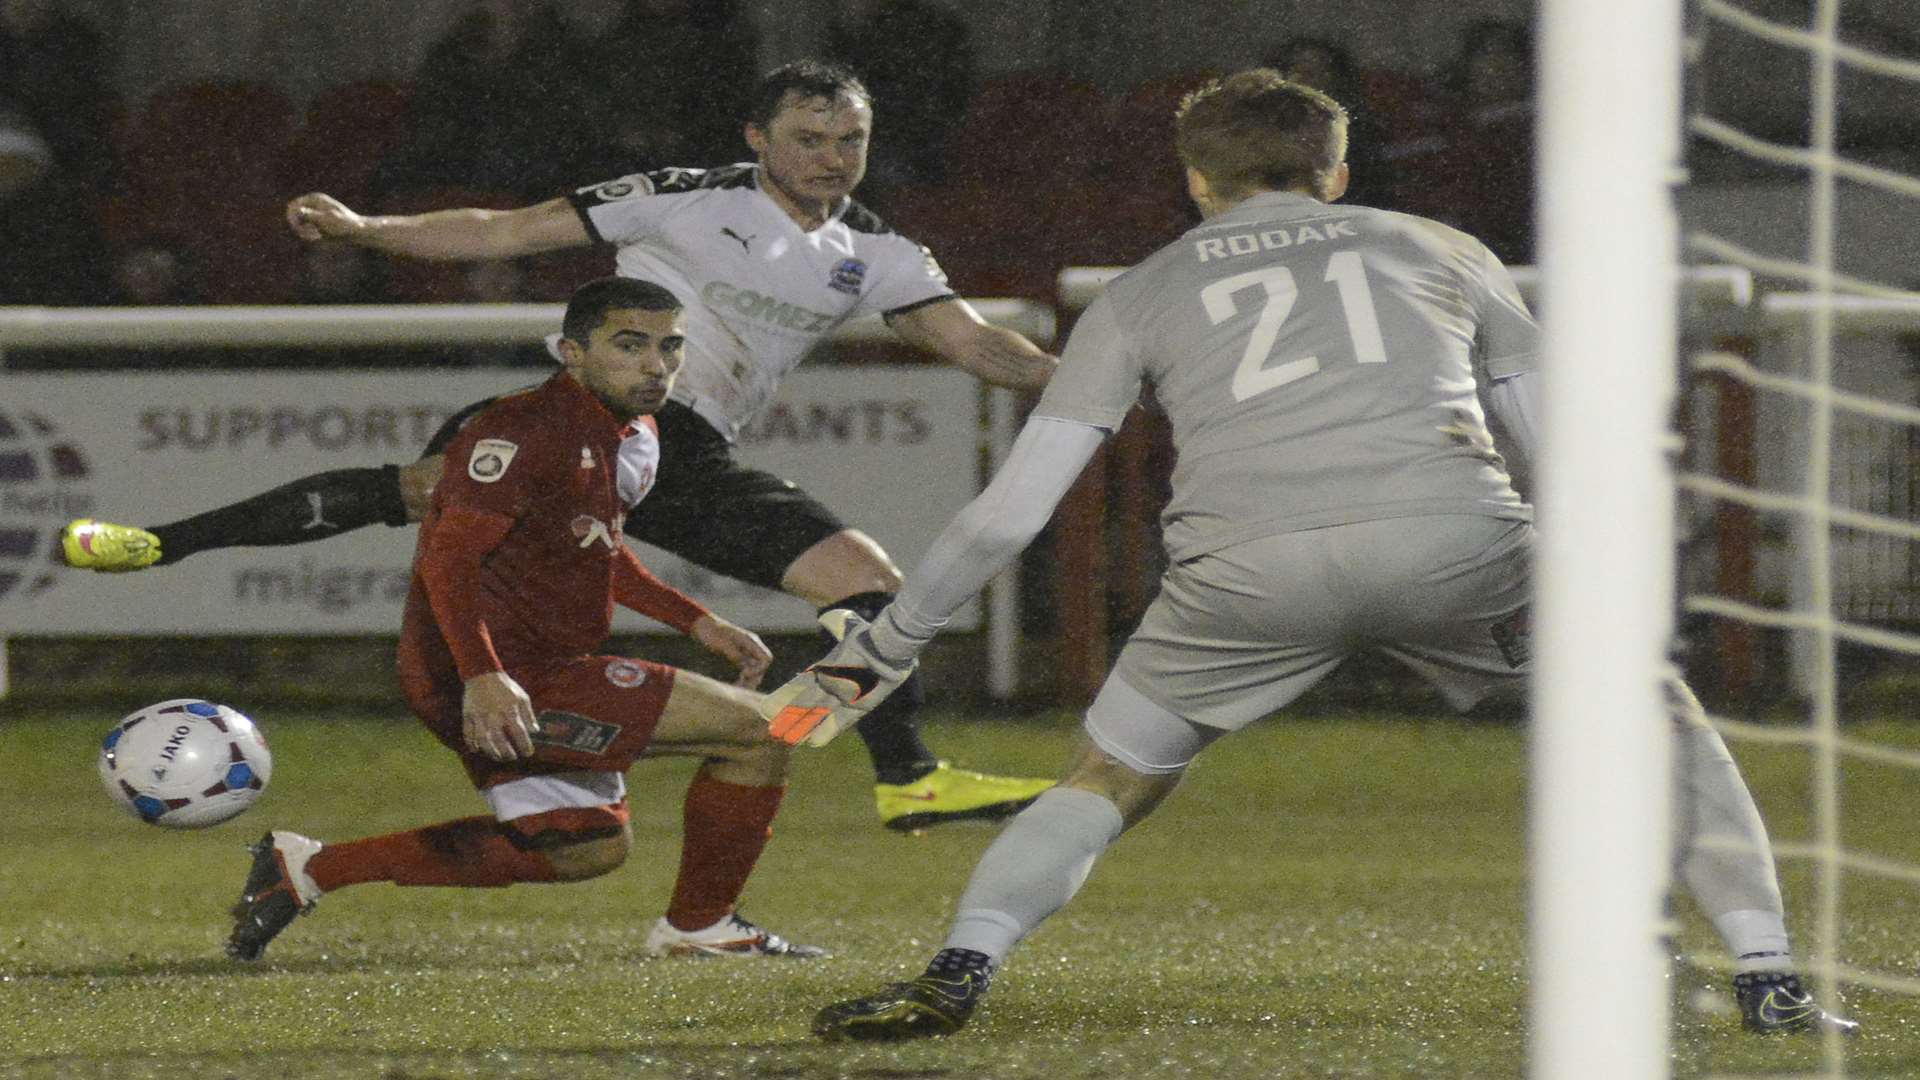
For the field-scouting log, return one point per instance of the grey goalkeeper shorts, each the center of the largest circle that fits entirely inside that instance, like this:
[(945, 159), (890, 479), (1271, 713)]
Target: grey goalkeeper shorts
[(1239, 633)]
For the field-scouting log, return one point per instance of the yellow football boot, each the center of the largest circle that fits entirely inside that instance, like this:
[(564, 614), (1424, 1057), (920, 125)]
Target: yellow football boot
[(108, 548), (950, 794)]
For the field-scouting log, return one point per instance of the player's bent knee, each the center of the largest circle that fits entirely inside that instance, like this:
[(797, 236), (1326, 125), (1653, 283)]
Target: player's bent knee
[(1136, 794), (887, 579), (1129, 728), (578, 842), (706, 712), (764, 762), (750, 755), (417, 481), (756, 739), (588, 859), (848, 563)]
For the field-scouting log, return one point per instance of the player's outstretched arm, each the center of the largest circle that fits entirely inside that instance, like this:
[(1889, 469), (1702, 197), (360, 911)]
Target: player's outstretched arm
[(956, 333), (464, 234), (636, 587), (870, 661)]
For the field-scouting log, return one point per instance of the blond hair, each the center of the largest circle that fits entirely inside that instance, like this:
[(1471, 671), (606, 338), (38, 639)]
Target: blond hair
[(1256, 131)]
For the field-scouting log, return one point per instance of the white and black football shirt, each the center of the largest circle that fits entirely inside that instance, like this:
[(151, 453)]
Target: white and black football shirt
[(760, 291)]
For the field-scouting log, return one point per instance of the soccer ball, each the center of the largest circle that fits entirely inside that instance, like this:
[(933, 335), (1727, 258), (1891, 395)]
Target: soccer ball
[(185, 764)]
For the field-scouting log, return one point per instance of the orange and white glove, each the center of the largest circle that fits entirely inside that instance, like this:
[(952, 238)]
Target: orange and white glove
[(839, 689)]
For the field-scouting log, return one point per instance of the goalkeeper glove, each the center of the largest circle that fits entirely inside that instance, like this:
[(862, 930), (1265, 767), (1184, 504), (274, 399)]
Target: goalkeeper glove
[(833, 694)]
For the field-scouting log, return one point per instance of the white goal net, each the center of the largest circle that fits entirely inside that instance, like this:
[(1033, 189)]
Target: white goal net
[(1804, 125)]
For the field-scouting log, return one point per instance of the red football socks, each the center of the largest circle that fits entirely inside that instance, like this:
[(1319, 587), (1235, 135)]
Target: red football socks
[(471, 853), (726, 827)]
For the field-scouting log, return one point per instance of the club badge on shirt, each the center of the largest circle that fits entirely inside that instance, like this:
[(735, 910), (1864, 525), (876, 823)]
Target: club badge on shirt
[(490, 459), (625, 674), (847, 276)]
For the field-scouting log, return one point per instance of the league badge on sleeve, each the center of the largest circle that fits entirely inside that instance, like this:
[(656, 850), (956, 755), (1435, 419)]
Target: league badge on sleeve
[(490, 459), (626, 187)]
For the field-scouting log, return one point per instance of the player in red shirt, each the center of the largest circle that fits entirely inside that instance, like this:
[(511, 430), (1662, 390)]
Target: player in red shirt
[(519, 564)]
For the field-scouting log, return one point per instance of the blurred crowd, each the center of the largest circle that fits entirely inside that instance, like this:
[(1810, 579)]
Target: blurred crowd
[(176, 198)]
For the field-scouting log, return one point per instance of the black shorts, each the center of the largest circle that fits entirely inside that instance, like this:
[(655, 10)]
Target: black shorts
[(706, 507), (445, 433), (711, 510)]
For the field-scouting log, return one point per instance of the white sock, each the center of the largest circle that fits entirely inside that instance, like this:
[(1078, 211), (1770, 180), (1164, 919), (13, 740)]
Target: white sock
[(1035, 866), (1722, 851), (1765, 960)]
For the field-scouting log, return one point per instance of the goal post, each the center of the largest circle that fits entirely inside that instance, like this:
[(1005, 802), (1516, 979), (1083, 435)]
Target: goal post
[(1600, 756)]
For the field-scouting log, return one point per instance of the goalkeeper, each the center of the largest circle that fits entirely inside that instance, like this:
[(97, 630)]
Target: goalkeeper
[(1337, 491)]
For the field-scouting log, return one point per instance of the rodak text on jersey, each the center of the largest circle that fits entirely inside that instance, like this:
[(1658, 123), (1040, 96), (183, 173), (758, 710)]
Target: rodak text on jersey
[(1247, 243)]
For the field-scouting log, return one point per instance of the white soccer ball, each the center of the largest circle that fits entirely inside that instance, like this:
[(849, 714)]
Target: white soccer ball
[(185, 764)]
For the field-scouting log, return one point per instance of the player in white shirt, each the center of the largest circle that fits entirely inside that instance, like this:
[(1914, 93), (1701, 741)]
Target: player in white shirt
[(769, 257), (1337, 492)]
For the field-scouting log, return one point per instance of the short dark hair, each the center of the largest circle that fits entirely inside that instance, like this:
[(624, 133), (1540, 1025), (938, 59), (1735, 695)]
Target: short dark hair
[(588, 306), (1255, 130), (808, 79)]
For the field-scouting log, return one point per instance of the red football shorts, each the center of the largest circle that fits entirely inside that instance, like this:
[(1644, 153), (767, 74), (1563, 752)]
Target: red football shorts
[(596, 713)]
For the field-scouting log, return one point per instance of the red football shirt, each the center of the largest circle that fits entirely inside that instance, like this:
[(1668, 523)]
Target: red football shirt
[(521, 557)]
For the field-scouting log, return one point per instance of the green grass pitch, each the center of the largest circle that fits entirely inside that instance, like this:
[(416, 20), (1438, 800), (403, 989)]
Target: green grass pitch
[(1335, 897)]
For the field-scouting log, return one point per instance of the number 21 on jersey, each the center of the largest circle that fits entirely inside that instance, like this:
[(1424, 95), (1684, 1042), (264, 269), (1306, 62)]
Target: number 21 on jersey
[(1255, 375)]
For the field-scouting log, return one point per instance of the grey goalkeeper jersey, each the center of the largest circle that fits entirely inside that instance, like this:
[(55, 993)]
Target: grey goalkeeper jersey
[(1318, 364)]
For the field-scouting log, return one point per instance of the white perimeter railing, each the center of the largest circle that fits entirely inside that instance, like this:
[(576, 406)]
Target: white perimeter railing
[(324, 326)]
